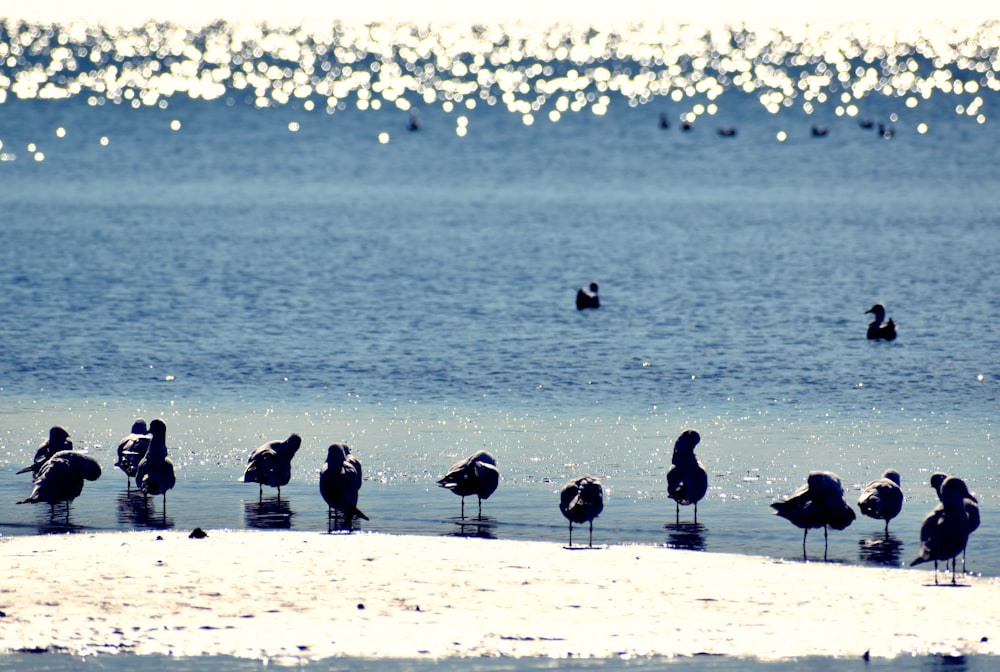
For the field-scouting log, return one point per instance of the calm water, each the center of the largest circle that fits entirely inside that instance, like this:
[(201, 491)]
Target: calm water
[(245, 269)]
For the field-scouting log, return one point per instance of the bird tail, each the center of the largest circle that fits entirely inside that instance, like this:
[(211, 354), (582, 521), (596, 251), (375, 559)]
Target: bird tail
[(29, 500), (919, 559), (26, 469), (357, 514)]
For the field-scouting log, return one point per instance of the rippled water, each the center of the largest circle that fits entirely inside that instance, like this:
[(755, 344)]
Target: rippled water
[(281, 254)]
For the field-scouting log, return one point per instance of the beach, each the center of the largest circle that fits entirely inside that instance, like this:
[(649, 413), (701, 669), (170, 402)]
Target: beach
[(292, 597)]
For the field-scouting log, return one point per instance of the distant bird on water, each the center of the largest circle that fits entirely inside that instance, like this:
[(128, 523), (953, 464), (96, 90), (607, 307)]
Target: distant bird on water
[(475, 475), (879, 328), (882, 499), (58, 441), (271, 464), (61, 478), (971, 504), (339, 483), (945, 531), (687, 480), (132, 449), (582, 500), (155, 473), (818, 503), (587, 298)]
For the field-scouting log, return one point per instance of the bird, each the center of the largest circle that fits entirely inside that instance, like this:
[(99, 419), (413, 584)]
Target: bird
[(727, 132), (155, 473), (271, 464), (475, 475), (58, 441), (818, 503), (664, 121), (587, 297), (582, 500), (687, 480), (61, 478), (339, 482), (882, 499), (819, 131), (879, 328), (132, 449), (945, 531), (970, 502)]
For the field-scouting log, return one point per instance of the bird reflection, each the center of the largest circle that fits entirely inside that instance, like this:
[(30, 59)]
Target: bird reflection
[(481, 527), (136, 510), (49, 523), (686, 536), (881, 549), (270, 513)]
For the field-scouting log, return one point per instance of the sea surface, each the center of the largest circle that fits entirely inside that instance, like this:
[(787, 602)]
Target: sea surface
[(237, 229)]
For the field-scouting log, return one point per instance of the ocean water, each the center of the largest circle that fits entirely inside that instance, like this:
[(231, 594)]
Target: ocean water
[(234, 230)]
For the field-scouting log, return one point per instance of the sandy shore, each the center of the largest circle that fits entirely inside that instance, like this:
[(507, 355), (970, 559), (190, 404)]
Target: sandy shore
[(303, 595)]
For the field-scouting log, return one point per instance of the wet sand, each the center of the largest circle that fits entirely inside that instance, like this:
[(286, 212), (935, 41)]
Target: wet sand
[(295, 596)]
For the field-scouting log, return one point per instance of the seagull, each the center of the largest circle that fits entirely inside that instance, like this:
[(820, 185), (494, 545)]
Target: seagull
[(687, 480), (882, 499), (587, 298), (155, 473), (818, 503), (58, 441), (271, 464), (61, 478), (879, 328), (475, 475), (945, 531), (132, 449), (339, 482), (582, 500), (970, 502)]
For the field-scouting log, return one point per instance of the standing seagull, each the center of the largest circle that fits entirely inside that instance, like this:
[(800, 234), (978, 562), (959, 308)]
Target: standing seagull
[(58, 441), (687, 480), (818, 503), (271, 464), (945, 530), (971, 504), (882, 499), (61, 478), (155, 473), (476, 475), (879, 328), (132, 449), (339, 482), (581, 501)]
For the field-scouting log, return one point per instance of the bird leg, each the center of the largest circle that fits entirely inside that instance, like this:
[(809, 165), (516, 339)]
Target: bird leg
[(696, 513), (571, 534), (590, 544), (260, 493), (677, 512), (805, 534), (826, 543), (463, 507), (480, 507)]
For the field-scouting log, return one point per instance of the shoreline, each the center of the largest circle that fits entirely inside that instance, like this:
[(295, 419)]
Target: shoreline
[(306, 596)]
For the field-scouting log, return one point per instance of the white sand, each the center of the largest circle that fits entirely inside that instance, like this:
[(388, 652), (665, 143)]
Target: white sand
[(289, 596)]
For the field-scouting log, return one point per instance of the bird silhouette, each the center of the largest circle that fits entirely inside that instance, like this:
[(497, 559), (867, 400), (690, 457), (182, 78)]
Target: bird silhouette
[(882, 498), (879, 328), (968, 500), (582, 500), (687, 480), (588, 298), (58, 441), (61, 478), (339, 482), (475, 475), (271, 464), (818, 503), (132, 449), (155, 473), (945, 531)]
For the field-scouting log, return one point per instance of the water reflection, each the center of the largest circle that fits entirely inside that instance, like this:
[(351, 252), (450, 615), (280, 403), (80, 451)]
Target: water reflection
[(881, 549), (268, 513), (480, 526), (55, 519), (686, 536), (137, 510)]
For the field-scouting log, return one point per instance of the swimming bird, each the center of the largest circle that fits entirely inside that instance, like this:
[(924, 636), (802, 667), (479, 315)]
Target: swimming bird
[(58, 441), (819, 131), (271, 464), (818, 503), (664, 121), (945, 531), (727, 132), (687, 480), (582, 500), (339, 482), (879, 328), (155, 473), (882, 499), (475, 475), (132, 449), (61, 478), (587, 298), (968, 500)]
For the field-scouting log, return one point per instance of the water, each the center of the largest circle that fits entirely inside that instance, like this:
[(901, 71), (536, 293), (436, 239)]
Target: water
[(246, 269)]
